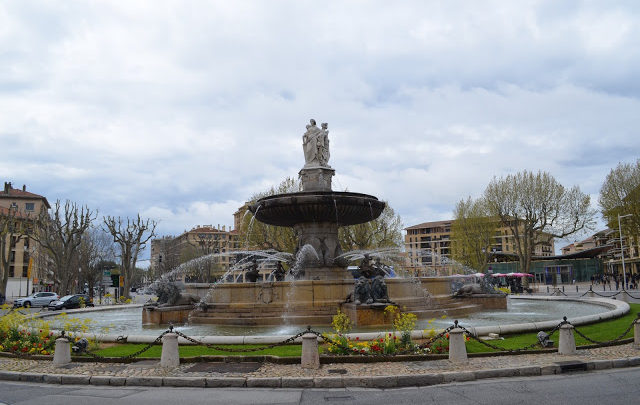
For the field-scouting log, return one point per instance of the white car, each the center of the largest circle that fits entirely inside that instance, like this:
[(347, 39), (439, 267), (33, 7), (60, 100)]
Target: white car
[(40, 299)]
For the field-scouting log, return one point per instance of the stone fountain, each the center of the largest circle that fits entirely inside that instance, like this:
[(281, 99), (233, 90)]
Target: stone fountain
[(322, 285), (317, 212)]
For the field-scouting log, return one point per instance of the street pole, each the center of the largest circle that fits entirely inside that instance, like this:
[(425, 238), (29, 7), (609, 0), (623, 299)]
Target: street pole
[(624, 273)]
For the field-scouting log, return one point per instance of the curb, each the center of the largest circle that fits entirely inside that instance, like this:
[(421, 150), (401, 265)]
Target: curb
[(379, 382)]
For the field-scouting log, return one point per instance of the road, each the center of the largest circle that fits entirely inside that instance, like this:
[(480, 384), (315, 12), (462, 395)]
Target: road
[(618, 386)]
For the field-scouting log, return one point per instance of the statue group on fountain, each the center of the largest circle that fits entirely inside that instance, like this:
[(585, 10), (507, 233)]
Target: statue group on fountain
[(315, 143), (370, 287)]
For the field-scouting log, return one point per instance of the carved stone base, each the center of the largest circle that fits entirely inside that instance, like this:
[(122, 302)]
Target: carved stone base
[(323, 236), (366, 315), (163, 316), (316, 178)]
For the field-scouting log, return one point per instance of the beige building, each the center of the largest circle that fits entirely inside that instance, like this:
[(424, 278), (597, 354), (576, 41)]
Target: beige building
[(428, 247), (22, 281), (169, 252)]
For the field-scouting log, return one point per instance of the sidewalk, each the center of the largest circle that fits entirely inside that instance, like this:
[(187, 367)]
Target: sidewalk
[(332, 375)]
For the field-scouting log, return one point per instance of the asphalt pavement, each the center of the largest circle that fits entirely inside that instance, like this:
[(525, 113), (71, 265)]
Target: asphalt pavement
[(609, 387)]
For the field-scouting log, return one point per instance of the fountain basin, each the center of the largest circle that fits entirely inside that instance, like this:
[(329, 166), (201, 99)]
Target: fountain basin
[(126, 321), (341, 208)]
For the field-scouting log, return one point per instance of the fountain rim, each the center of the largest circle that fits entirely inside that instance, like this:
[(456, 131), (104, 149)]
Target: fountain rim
[(311, 198)]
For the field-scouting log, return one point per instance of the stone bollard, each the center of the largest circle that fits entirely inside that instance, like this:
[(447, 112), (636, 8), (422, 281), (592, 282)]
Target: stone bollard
[(170, 355), (457, 347), (636, 333), (310, 355), (591, 294), (62, 353), (624, 296), (567, 342)]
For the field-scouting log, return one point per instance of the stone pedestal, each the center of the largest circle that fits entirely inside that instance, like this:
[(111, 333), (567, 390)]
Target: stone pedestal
[(624, 296), (366, 314), (567, 342), (323, 237), (310, 354), (62, 354), (170, 354), (153, 315), (457, 347), (316, 178)]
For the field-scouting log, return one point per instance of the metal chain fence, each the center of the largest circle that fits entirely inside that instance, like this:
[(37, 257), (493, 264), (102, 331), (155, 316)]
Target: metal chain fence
[(347, 349), (609, 296)]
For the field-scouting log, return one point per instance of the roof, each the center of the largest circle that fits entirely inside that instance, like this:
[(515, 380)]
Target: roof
[(14, 193), (430, 224)]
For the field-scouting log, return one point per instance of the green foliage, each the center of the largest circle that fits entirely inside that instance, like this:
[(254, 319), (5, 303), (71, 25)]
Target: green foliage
[(22, 335), (535, 204), (473, 233), (383, 232), (341, 322), (262, 236), (620, 195)]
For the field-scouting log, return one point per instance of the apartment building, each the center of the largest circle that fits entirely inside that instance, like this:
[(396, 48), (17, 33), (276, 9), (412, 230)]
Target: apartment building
[(428, 247), (169, 252), (23, 251)]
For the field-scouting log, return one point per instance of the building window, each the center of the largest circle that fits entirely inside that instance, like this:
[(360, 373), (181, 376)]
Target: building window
[(29, 206), (25, 270)]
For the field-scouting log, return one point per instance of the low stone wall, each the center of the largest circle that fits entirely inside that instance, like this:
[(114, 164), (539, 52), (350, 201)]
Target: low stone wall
[(163, 316)]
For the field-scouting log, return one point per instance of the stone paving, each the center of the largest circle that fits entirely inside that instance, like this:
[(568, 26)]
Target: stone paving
[(151, 368)]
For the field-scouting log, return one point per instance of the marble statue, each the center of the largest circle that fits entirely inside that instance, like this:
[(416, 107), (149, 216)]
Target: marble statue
[(315, 144)]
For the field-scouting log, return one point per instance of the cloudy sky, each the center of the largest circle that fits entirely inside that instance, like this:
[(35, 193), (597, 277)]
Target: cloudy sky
[(182, 110)]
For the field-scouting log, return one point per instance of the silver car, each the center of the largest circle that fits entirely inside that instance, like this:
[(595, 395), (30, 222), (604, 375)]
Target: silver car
[(40, 299)]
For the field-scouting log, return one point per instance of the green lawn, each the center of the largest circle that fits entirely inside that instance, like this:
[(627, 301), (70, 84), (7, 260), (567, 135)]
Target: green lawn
[(194, 351), (602, 331)]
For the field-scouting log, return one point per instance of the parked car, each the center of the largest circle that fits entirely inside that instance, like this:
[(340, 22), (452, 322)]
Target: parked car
[(39, 299), (71, 302)]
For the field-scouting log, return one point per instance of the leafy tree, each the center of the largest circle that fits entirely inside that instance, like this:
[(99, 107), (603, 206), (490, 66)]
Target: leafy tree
[(620, 195), (472, 233), (59, 233), (131, 237), (383, 232), (257, 235), (530, 203)]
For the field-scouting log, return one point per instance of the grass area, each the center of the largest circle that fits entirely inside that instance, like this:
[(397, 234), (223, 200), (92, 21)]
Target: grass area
[(602, 331), (120, 350)]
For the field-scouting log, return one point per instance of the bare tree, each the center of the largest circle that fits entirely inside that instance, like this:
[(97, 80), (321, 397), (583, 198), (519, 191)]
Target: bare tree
[(131, 237), (532, 205), (13, 227), (59, 233), (96, 248)]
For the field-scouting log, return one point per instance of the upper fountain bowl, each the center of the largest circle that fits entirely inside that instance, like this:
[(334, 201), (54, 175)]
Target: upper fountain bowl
[(343, 208)]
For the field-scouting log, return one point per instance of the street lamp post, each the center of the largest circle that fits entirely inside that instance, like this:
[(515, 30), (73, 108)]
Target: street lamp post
[(624, 273)]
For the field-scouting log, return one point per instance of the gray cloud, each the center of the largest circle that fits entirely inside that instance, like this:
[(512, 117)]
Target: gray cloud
[(183, 112)]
